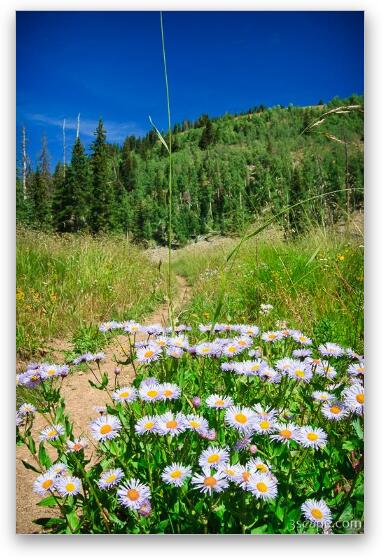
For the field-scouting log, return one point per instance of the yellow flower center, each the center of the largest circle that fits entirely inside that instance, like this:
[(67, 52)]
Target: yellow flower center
[(193, 423), (213, 458), (300, 373), (286, 433), (52, 433), (111, 478), (168, 393), (219, 402), (149, 353), (51, 371), (317, 514), (153, 393), (210, 481), (262, 487), (205, 350), (106, 428), (241, 418), (255, 367), (132, 494), (230, 472), (312, 436), (70, 487), (47, 483), (77, 446), (302, 338), (246, 476), (262, 467), (176, 474), (232, 349), (264, 424), (360, 398), (149, 425), (272, 336), (125, 394), (335, 409), (172, 424)]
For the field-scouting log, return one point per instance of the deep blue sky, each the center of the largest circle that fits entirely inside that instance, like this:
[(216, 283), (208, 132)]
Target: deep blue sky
[(109, 64)]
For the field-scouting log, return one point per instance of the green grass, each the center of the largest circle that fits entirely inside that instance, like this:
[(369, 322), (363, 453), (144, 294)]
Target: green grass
[(315, 283), (66, 285)]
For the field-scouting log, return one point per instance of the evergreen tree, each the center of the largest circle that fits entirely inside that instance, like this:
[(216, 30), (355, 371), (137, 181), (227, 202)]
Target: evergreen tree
[(101, 191), (208, 136), (79, 187), (39, 196)]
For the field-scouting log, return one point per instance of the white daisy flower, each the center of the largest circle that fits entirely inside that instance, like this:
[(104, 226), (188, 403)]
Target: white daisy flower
[(242, 475), (175, 474), (147, 424), (110, 478), (334, 410), (170, 391), (240, 418), (230, 471), (269, 374), (131, 327), (125, 394), (208, 483), (310, 437), (302, 339), (150, 392), (263, 426), (68, 485), (265, 413), (26, 409), (356, 369), (326, 369), (213, 457), (217, 401), (207, 349), (262, 486), (231, 349), (133, 493), (58, 468), (285, 432), (322, 396), (197, 423), (51, 433), (244, 342), (174, 352), (249, 330), (44, 483), (300, 372), (259, 465), (171, 424), (316, 511), (354, 398), (160, 342), (179, 341), (301, 353), (271, 336), (286, 364), (331, 349), (105, 427), (148, 354), (77, 445)]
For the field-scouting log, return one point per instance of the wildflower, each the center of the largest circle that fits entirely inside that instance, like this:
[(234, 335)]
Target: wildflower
[(99, 356), (354, 398), (148, 354), (265, 308), (301, 353), (147, 424), (259, 465), (171, 424), (240, 418), (325, 369), (217, 401), (179, 341), (300, 372), (310, 437), (110, 478), (68, 485), (174, 352), (244, 341), (196, 401), (242, 444), (255, 353), (153, 330), (109, 326), (133, 493), (285, 432), (316, 511), (322, 396), (262, 486), (44, 483), (269, 374), (100, 409), (145, 508), (271, 336), (48, 371), (117, 371), (58, 468), (206, 349), (301, 338), (231, 472), (249, 330), (253, 449), (213, 457), (150, 392), (331, 349), (208, 483), (356, 369), (263, 426), (334, 410), (160, 341), (170, 391), (51, 433), (27, 409), (286, 364), (196, 423), (175, 474), (77, 445), (19, 419), (125, 394), (231, 349), (131, 327), (105, 427)]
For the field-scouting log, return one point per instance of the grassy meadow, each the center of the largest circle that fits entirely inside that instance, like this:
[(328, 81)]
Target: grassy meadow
[(67, 285)]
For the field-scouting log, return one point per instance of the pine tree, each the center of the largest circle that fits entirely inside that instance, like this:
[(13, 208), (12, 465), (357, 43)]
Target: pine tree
[(208, 135), (101, 191), (39, 197), (79, 186), (61, 201)]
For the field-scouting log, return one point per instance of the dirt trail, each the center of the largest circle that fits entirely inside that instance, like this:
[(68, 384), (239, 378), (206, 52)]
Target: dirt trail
[(80, 401)]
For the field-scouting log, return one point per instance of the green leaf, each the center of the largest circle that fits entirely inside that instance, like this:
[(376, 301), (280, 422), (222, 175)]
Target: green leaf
[(73, 521), (43, 456), (32, 445), (47, 502), (260, 529), (159, 134), (30, 467), (358, 428)]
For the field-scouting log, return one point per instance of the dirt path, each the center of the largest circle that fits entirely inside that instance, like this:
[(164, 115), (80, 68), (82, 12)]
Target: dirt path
[(80, 401)]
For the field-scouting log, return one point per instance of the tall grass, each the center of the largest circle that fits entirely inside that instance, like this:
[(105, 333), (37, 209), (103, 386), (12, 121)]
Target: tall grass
[(67, 282), (314, 283)]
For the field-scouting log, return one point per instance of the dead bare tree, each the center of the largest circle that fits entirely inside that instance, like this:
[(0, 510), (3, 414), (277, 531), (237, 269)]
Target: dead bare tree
[(78, 126), (24, 162), (64, 144)]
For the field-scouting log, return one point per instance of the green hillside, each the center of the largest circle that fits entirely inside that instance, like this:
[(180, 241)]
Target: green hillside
[(226, 172)]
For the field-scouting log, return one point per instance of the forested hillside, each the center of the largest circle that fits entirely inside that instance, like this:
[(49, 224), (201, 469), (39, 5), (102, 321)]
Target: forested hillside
[(226, 171)]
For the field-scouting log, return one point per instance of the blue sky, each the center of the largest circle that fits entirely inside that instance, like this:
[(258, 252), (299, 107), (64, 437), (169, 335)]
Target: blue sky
[(109, 64)]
